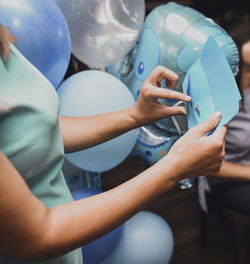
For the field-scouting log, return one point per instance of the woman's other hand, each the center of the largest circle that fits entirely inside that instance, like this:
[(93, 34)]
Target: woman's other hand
[(148, 109), (195, 154)]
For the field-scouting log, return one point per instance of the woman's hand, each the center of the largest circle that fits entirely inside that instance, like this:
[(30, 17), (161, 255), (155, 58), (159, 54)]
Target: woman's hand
[(6, 38), (195, 154), (148, 109)]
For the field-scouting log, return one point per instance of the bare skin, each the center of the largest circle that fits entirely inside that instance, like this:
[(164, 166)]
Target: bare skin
[(147, 110), (48, 233), (5, 39), (233, 171)]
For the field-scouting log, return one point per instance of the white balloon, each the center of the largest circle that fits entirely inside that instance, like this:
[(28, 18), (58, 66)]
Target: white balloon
[(102, 31)]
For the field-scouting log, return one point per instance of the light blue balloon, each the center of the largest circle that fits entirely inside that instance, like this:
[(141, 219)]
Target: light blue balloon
[(42, 34), (95, 92), (147, 238)]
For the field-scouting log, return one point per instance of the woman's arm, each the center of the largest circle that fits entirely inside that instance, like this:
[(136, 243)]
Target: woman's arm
[(30, 231), (83, 132), (233, 171)]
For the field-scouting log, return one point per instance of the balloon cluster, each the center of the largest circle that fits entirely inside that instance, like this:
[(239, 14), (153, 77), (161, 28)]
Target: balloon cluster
[(173, 36), (102, 32), (110, 33), (144, 238)]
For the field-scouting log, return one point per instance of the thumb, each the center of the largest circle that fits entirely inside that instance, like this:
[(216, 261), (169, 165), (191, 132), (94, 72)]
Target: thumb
[(220, 133), (209, 124)]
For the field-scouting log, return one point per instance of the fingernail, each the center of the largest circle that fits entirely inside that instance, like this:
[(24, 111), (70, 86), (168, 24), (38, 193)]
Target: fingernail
[(217, 115), (188, 98)]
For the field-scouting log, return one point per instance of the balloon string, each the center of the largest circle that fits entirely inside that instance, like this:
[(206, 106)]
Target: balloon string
[(88, 178), (98, 180), (175, 121)]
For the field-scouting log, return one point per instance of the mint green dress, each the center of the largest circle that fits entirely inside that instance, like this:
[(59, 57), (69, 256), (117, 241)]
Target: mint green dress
[(31, 139)]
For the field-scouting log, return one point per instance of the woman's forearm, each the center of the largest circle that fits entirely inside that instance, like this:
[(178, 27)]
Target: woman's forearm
[(33, 232), (99, 214), (83, 132), (233, 171)]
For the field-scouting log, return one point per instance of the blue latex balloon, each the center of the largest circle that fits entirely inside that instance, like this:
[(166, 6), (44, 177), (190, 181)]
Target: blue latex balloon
[(42, 34), (95, 92), (101, 248), (147, 239), (173, 36)]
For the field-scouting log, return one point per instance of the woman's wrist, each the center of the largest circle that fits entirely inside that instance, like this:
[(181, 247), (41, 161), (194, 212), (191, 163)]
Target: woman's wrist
[(135, 117), (168, 171)]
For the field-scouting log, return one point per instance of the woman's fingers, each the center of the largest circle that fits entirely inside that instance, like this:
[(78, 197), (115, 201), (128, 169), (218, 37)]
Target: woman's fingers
[(207, 125), (219, 135), (164, 93), (175, 110), (160, 73)]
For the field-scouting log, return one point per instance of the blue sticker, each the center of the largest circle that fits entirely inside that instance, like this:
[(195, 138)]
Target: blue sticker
[(140, 68)]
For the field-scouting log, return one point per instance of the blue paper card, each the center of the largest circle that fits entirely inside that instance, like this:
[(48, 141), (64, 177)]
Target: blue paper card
[(212, 86)]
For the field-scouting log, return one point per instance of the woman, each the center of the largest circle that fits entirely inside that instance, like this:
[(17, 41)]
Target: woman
[(38, 219)]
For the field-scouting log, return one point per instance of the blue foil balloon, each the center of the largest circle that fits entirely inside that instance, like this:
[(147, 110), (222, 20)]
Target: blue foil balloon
[(103, 247), (173, 36), (152, 144), (42, 34)]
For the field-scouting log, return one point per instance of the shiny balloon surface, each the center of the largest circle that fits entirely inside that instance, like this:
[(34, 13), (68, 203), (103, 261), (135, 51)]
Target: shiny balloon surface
[(153, 144), (173, 36), (103, 31)]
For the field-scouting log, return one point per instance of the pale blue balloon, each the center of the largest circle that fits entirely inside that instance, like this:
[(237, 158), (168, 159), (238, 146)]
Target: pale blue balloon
[(147, 238), (95, 92)]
